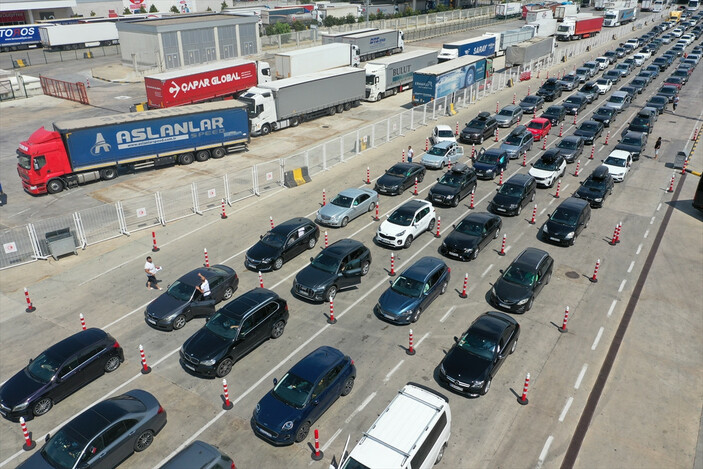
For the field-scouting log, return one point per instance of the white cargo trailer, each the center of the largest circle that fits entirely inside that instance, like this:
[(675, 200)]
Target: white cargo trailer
[(562, 11), (389, 75), (371, 44), (508, 10), (315, 59), (78, 35)]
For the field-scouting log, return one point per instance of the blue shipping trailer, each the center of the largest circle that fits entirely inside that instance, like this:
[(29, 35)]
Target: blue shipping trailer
[(446, 78), (18, 37)]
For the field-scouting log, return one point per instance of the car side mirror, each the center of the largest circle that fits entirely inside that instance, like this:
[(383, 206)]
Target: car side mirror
[(437, 179), (390, 282), (312, 259), (47, 437), (275, 381), (261, 236), (456, 339), (501, 271), (31, 360), (497, 189)]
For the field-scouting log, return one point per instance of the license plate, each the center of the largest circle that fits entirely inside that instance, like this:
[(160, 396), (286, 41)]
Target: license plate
[(453, 254), (554, 239), (152, 321), (504, 305), (454, 386), (265, 432), (190, 367), (500, 209)]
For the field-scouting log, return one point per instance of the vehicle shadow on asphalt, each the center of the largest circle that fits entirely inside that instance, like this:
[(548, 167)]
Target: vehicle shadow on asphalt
[(686, 206)]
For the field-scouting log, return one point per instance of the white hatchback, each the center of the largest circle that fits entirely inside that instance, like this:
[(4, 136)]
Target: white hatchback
[(406, 223), (618, 164), (603, 62)]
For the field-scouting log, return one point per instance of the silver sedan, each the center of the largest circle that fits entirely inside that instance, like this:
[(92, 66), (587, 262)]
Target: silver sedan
[(346, 206)]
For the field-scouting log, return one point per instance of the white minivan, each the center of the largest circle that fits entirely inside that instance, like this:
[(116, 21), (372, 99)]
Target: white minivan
[(412, 433)]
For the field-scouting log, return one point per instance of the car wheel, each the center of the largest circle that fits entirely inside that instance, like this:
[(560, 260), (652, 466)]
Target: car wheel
[(440, 455), (312, 242), (495, 236), (42, 406), (345, 221), (302, 432), (54, 186), (277, 329), (480, 139), (444, 288), (408, 241), (519, 209), (416, 316), (474, 255), (532, 199), (224, 367), (372, 206), (512, 349), (421, 177), (485, 388), (278, 263), (348, 386), (365, 268), (143, 441), (229, 291), (455, 201), (547, 278), (179, 322), (112, 364), (430, 227), (265, 129), (529, 304), (330, 293)]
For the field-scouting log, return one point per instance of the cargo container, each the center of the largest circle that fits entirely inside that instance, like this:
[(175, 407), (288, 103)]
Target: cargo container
[(20, 37), (528, 51), (485, 45), (216, 80), (446, 78), (508, 10), (288, 102), (389, 75), (577, 27), (599, 5), (371, 43), (535, 16), (78, 36), (562, 11), (315, 59), (85, 150), (335, 10), (646, 5), (514, 36), (545, 28), (619, 17), (657, 6)]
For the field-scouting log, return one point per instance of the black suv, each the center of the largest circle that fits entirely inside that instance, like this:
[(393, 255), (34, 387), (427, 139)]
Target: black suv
[(513, 195), (399, 177), (555, 114), (480, 128), (606, 115), (236, 329), (339, 266), (551, 89), (567, 221), (489, 163), (596, 187), (282, 244), (453, 186), (519, 284), (58, 372)]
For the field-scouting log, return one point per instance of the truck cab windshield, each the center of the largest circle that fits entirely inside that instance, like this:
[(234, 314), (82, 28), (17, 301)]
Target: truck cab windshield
[(252, 109), (370, 79), (24, 161)]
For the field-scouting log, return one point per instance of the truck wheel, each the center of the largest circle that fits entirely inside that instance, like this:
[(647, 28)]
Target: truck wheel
[(202, 155), (186, 158), (265, 129), (54, 186), (347, 106), (379, 97), (332, 111), (219, 152), (340, 108), (294, 122), (108, 173)]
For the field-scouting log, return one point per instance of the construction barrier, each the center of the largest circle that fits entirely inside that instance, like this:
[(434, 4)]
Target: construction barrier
[(297, 177), (20, 63)]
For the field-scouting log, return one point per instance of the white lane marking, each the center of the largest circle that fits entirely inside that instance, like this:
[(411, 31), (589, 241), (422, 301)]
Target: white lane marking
[(507, 249), (139, 308), (659, 206), (646, 233), (235, 255), (577, 384), (587, 161), (598, 336), (639, 248), (395, 368), (545, 449), (329, 442), (361, 407), (446, 315), (632, 264), (622, 285), (612, 307), (551, 201), (487, 270), (651, 221), (421, 339), (566, 409), (542, 211), (565, 187)]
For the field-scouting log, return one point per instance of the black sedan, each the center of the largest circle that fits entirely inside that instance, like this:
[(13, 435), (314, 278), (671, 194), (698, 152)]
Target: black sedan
[(590, 131), (519, 284), (590, 90), (634, 142), (471, 235), (181, 302), (472, 363), (235, 330), (555, 114), (605, 115), (399, 177), (58, 372), (596, 187), (514, 195), (453, 186), (282, 243), (575, 103), (613, 75), (658, 102), (337, 267), (104, 435), (668, 91), (531, 104)]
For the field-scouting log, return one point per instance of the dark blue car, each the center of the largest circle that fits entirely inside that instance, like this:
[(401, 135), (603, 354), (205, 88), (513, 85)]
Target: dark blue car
[(413, 291), (489, 163), (286, 413)]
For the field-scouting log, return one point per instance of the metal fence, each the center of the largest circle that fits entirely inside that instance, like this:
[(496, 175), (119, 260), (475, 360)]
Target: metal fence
[(64, 89), (50, 57)]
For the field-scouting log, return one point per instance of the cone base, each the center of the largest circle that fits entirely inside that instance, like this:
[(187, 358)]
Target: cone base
[(317, 456), (227, 406), (146, 370), (331, 320), (29, 447), (563, 330), (410, 351), (463, 295), (521, 402), (155, 249), (30, 309)]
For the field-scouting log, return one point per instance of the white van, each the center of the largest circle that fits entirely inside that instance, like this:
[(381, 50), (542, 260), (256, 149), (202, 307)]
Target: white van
[(412, 433)]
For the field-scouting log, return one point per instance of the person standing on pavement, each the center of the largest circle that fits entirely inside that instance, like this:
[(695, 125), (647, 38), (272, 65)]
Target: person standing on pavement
[(151, 269), (657, 146), (676, 103), (410, 154)]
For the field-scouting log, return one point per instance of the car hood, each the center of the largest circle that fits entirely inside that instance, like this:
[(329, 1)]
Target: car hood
[(472, 130), (261, 251), (570, 105), (511, 292), (389, 180), (557, 229), (205, 345), (273, 413), (165, 305), (509, 147), (527, 106), (584, 133), (395, 303), (589, 193), (484, 166), (391, 228), (600, 118), (615, 169), (19, 389), (332, 211), (464, 366), (427, 158), (502, 200), (540, 173), (458, 241), (503, 119), (313, 277), (443, 189)]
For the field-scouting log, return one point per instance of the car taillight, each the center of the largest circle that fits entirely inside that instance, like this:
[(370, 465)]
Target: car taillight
[(233, 466), (116, 345), (160, 411), (286, 306), (352, 362), (449, 270)]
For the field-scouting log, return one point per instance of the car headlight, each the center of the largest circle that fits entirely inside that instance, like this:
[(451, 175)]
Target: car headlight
[(468, 250), (512, 206), (441, 369), (401, 233), (444, 244), (408, 312), (394, 187), (20, 407), (266, 260), (493, 291), (208, 362), (257, 409), (288, 425), (523, 301), (477, 384), (569, 236), (489, 171), (599, 199)]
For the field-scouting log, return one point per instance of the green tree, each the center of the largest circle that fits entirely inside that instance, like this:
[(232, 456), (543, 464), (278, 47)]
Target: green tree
[(174, 9), (142, 9), (277, 28), (126, 11), (298, 26), (350, 19), (224, 5), (92, 13), (329, 21), (153, 9), (208, 9)]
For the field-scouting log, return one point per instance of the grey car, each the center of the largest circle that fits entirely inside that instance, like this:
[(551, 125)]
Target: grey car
[(583, 74), (520, 140), (201, 455), (442, 154), (571, 147), (346, 206), (569, 82), (619, 101), (509, 115)]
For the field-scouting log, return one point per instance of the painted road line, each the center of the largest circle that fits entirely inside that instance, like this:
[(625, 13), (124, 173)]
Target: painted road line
[(639, 248), (446, 315), (139, 308), (646, 233), (542, 211), (659, 206), (598, 336), (390, 373), (361, 407), (329, 442), (629, 269), (651, 221), (545, 450), (622, 285), (487, 270), (612, 307), (582, 373), (423, 338), (564, 411)]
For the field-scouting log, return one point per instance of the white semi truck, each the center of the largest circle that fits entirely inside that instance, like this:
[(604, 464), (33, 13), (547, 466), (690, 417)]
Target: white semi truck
[(389, 75), (315, 59), (372, 43)]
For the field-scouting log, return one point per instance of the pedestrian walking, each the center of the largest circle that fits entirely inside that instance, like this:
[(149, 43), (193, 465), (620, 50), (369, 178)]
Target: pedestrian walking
[(410, 154), (151, 269), (657, 146), (676, 103)]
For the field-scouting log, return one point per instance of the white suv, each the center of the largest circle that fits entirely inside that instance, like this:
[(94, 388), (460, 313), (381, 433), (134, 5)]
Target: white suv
[(406, 223), (442, 133), (618, 164)]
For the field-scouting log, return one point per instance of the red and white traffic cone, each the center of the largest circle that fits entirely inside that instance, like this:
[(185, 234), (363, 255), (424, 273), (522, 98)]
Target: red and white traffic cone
[(496, 139), (472, 198), (578, 165), (30, 306), (463, 293), (502, 246), (563, 328), (449, 165), (473, 151), (547, 74), (410, 350), (544, 142), (519, 118), (326, 239), (154, 247), (594, 279), (456, 130), (534, 215), (324, 197), (437, 234), (331, 319), (561, 129), (207, 259), (619, 230), (500, 181), (528, 91), (271, 222), (368, 175), (538, 70), (607, 137), (524, 159), (614, 238), (593, 151), (695, 134), (392, 272), (146, 369), (223, 215), (576, 115), (415, 191), (261, 280), (671, 184), (227, 405), (317, 455), (427, 144), (685, 163), (522, 400), (29, 444), (82, 321), (497, 106), (377, 218), (556, 196), (402, 157)]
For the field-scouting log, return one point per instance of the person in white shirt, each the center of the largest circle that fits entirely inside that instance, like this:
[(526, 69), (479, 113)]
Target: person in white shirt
[(411, 153), (151, 270), (204, 287)]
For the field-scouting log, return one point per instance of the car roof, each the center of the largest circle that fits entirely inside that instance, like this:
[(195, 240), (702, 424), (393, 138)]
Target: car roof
[(530, 257), (511, 107), (619, 93), (191, 278), (105, 413), (540, 120), (531, 97), (354, 192), (406, 166), (421, 269), (77, 341), (491, 325), (241, 305), (519, 180), (342, 247), (443, 127), (555, 107), (317, 363), (632, 133), (414, 205), (196, 454), (601, 172), (460, 168), (572, 203), (444, 144), (622, 154), (479, 217), (291, 225), (520, 129), (550, 155)]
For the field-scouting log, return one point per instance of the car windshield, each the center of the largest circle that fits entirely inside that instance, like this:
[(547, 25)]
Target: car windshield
[(477, 123), (520, 276), (549, 86), (23, 161), (407, 287), (401, 217), (550, 165), (470, 227), (224, 326), (568, 144), (326, 263), (552, 111), (342, 201), (640, 121), (275, 240), (397, 171), (535, 125), (588, 127), (293, 390), (603, 81), (607, 112), (181, 291), (569, 78), (564, 217), (513, 139), (573, 100), (64, 448), (478, 345), (616, 99), (631, 141), (530, 99), (658, 100), (511, 190), (613, 161), (592, 183), (589, 88), (437, 151), (451, 179), (445, 133), (506, 112), (489, 158), (44, 367)]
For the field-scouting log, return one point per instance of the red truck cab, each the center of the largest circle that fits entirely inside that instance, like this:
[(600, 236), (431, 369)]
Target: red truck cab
[(42, 161)]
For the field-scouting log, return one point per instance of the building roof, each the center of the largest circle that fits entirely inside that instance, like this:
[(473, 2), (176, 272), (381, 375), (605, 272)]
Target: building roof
[(184, 22)]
